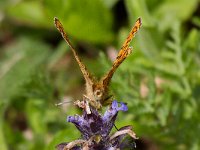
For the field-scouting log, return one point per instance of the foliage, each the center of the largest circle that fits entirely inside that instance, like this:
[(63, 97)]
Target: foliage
[(160, 81)]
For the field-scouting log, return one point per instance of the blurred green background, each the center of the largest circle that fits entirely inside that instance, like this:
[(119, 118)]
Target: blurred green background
[(160, 80)]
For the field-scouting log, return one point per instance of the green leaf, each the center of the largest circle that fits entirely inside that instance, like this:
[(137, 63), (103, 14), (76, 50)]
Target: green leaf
[(89, 21), (28, 12), (110, 3), (58, 54), (36, 115), (192, 39), (67, 135), (170, 11), (23, 58), (138, 8), (3, 145)]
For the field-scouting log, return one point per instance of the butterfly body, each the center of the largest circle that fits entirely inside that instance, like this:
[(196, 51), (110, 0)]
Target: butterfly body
[(97, 90)]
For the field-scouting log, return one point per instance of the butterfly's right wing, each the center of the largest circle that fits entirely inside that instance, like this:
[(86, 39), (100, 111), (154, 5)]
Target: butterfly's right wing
[(86, 74)]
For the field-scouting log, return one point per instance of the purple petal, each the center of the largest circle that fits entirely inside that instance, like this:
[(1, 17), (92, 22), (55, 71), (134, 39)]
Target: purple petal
[(123, 107), (75, 119), (113, 110), (114, 104)]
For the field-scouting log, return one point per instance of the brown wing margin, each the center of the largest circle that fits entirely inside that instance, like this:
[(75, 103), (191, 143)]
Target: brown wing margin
[(83, 68), (123, 53)]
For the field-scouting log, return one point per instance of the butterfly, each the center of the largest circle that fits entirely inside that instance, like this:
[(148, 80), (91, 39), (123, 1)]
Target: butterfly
[(97, 90)]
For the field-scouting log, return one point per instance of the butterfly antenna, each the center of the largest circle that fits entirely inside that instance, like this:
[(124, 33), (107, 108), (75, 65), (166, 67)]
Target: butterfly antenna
[(61, 103)]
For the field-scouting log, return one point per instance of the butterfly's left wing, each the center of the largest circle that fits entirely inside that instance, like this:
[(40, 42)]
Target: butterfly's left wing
[(123, 53)]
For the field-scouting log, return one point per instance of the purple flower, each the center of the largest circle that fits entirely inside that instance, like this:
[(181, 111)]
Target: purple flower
[(95, 129)]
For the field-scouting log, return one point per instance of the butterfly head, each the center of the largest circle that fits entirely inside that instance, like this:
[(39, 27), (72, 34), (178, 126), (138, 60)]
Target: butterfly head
[(99, 92), (96, 94)]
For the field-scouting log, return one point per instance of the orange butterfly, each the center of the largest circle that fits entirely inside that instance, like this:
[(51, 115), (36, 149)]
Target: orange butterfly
[(97, 90)]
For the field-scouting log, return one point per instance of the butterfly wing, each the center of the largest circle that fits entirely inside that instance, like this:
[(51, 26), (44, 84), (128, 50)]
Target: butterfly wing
[(85, 72), (123, 53)]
